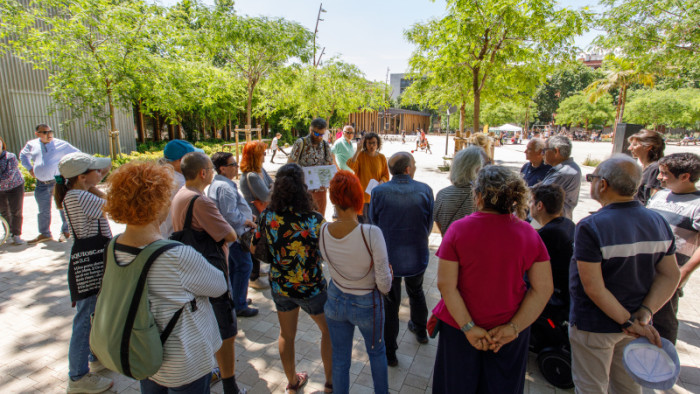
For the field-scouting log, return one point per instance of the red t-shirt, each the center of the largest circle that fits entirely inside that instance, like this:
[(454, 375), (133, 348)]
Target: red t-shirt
[(493, 252)]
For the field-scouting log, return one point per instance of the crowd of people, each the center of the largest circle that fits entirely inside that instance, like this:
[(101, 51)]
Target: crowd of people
[(620, 269)]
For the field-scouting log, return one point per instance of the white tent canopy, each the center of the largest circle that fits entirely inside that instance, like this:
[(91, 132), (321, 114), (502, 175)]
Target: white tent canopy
[(506, 127)]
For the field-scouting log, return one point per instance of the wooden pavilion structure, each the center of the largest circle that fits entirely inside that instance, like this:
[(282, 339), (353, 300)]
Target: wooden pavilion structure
[(391, 121)]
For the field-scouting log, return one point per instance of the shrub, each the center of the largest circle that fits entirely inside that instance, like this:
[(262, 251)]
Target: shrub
[(591, 162)]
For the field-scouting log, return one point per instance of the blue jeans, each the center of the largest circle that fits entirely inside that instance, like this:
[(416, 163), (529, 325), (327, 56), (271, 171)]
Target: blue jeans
[(240, 265), (79, 348), (199, 386), (43, 194), (344, 312)]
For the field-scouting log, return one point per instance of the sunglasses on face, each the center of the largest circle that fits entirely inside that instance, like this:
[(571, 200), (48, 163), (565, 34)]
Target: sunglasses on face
[(318, 134), (230, 165), (45, 132), (591, 177)]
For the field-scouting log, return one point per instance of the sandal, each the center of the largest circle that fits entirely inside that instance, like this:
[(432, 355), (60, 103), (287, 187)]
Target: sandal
[(302, 379), (328, 387)]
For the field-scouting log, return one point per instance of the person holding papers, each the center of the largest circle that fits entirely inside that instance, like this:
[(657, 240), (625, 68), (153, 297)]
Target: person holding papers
[(370, 166)]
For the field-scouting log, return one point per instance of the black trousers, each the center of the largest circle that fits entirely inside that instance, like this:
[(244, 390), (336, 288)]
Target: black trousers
[(460, 368), (419, 309), (274, 152), (666, 319), (11, 203)]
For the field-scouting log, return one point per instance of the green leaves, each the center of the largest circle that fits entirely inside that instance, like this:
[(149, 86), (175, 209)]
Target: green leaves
[(578, 110)]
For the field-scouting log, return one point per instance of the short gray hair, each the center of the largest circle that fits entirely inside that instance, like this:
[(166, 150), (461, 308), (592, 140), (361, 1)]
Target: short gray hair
[(622, 173), (465, 165), (562, 143), (538, 144)]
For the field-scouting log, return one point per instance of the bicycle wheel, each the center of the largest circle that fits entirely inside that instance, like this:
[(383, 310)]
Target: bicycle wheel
[(4, 230)]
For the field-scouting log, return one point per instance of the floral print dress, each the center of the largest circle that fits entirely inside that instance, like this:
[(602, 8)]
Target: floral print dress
[(295, 259)]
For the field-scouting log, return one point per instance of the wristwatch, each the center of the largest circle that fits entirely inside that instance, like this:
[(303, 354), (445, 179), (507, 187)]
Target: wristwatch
[(467, 326)]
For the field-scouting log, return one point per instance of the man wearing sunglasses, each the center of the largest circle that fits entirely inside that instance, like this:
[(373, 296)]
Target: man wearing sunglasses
[(623, 271), (40, 157), (311, 151)]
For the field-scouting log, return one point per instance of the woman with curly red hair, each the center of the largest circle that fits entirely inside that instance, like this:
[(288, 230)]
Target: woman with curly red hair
[(256, 186), (138, 195), (359, 267)]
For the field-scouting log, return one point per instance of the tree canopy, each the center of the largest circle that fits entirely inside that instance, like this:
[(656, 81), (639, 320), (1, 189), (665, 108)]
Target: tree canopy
[(483, 47), (578, 110)]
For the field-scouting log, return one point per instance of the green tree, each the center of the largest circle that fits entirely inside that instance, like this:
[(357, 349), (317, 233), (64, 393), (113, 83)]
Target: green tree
[(92, 49), (484, 44), (671, 108), (567, 79), (578, 110), (618, 74), (662, 36), (254, 47)]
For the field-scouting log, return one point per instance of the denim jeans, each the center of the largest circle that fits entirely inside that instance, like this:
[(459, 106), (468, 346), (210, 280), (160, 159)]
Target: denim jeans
[(240, 265), (344, 312), (199, 386), (79, 348), (43, 195)]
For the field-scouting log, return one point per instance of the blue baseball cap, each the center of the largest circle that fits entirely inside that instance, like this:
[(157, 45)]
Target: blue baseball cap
[(652, 366), (175, 149)]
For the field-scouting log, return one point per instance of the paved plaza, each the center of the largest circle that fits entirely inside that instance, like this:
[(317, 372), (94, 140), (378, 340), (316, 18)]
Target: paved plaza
[(36, 316)]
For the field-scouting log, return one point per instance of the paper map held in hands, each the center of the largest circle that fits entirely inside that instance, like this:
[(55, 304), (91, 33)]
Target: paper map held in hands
[(319, 176)]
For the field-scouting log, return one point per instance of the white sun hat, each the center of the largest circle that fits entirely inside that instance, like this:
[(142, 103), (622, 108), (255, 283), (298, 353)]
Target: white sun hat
[(652, 366)]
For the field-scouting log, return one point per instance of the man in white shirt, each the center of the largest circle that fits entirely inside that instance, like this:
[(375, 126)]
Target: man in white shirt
[(40, 157)]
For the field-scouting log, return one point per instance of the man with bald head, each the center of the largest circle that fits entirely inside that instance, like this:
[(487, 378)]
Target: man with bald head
[(535, 169), (403, 210), (623, 271)]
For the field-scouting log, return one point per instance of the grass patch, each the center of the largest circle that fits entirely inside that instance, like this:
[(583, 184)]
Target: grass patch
[(591, 162)]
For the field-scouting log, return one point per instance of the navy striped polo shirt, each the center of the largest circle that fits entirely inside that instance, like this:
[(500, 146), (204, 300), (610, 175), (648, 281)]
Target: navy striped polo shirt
[(628, 241)]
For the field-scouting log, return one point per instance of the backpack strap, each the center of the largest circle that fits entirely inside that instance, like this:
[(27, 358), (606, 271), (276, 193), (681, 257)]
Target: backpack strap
[(136, 300)]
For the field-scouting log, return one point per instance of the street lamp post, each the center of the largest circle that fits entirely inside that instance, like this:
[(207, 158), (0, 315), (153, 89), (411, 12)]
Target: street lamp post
[(447, 134)]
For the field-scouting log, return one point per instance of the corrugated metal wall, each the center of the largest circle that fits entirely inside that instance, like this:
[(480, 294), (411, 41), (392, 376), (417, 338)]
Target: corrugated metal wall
[(25, 102)]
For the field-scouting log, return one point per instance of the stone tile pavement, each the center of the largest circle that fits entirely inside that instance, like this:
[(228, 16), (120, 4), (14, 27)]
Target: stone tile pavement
[(35, 317)]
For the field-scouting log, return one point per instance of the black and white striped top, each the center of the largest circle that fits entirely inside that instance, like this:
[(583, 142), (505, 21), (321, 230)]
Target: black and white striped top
[(452, 203), (176, 277), (83, 210)]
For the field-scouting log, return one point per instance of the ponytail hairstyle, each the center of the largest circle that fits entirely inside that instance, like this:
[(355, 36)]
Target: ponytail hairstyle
[(62, 187)]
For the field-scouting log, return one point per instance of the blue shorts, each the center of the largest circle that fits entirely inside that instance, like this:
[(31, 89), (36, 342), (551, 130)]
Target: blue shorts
[(313, 306)]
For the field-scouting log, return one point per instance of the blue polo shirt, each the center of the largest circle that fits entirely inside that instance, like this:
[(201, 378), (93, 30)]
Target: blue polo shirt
[(532, 175), (628, 241)]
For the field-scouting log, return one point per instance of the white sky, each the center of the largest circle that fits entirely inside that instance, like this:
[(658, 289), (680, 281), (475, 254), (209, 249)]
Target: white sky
[(369, 34)]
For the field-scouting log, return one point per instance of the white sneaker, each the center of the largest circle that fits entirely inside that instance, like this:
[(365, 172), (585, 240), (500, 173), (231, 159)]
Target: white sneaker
[(259, 284), (18, 241), (90, 383), (96, 366)]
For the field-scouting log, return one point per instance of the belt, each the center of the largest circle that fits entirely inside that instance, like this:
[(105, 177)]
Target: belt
[(46, 182)]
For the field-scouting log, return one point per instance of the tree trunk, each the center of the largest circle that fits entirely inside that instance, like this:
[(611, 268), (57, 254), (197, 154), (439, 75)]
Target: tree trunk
[(139, 124), (112, 126), (477, 99), (156, 128)]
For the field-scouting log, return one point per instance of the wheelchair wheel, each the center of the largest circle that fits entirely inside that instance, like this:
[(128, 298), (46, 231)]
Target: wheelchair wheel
[(555, 365), (4, 230)]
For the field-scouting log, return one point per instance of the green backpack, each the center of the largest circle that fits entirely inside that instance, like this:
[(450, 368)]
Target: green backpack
[(124, 335)]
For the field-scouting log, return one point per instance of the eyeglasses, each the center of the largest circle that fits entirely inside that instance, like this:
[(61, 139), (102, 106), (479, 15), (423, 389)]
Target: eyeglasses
[(230, 165), (45, 132), (591, 177)]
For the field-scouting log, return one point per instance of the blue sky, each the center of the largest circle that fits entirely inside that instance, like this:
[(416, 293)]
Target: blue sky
[(369, 34)]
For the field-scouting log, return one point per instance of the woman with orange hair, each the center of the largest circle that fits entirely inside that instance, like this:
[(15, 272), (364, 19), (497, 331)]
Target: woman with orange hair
[(359, 267), (255, 185), (138, 195)]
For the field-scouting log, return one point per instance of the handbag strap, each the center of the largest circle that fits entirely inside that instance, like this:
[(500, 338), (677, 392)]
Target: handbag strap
[(324, 228), (188, 217), (70, 222), (457, 211)]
